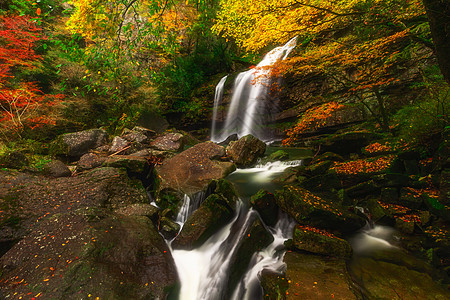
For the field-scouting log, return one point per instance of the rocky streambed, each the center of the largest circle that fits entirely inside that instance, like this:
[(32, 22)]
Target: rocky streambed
[(89, 231)]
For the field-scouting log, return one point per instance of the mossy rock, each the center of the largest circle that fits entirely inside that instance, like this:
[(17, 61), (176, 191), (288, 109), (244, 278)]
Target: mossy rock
[(309, 209), (274, 285), (78, 143), (320, 242), (264, 203)]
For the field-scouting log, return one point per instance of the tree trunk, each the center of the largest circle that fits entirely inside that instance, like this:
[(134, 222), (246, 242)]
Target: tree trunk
[(438, 12)]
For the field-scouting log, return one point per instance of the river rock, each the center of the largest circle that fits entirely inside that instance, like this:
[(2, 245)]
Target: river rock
[(140, 209), (390, 279), (168, 142), (27, 199), (168, 228), (90, 253), (212, 214), (274, 284), (254, 239), (136, 166), (78, 143), (90, 161), (245, 151), (317, 277), (320, 242), (191, 170), (309, 209), (118, 144), (264, 203), (57, 168)]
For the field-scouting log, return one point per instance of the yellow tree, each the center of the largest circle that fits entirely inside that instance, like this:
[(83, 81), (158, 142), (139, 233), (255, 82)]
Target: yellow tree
[(359, 46)]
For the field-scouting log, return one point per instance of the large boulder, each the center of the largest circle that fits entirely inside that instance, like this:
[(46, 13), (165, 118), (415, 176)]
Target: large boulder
[(309, 209), (245, 151), (56, 168), (90, 253), (191, 170), (78, 143), (213, 214), (168, 142), (27, 199), (320, 242), (264, 203), (317, 277)]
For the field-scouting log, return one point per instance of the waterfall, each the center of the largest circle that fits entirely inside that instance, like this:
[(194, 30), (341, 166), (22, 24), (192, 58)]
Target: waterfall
[(247, 110), (204, 271), (217, 100)]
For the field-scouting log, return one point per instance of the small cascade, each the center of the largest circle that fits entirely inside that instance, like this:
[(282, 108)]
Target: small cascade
[(217, 101), (189, 206), (248, 111), (372, 238), (204, 271), (270, 258)]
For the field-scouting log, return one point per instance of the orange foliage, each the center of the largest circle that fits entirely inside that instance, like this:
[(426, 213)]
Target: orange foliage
[(312, 119), (306, 228), (364, 165), (378, 148)]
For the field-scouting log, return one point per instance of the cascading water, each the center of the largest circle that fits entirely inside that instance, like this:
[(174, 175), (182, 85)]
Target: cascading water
[(217, 100), (247, 110), (204, 271)]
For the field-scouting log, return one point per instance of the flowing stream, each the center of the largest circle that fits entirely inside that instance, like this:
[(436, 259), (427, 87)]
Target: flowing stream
[(204, 271), (248, 110)]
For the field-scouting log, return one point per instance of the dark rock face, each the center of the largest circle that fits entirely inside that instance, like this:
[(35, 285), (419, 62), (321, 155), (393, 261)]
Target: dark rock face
[(57, 168), (90, 253), (255, 238), (264, 203), (78, 143), (212, 214), (317, 277), (192, 170), (168, 142), (346, 143), (245, 151), (320, 242), (27, 199), (309, 209)]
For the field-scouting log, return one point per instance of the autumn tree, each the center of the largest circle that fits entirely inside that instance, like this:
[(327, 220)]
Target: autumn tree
[(360, 47), (22, 103)]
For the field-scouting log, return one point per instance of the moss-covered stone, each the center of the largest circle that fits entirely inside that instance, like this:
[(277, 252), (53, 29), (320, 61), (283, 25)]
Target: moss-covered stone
[(212, 214), (320, 242), (309, 209), (274, 285), (78, 143), (264, 203)]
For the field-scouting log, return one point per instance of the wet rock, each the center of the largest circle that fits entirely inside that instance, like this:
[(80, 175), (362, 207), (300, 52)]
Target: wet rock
[(324, 182), (330, 156), (212, 214), (320, 242), (118, 144), (381, 279), (288, 176), (245, 151), (317, 277), (168, 142), (309, 209), (170, 199), (57, 168), (192, 170), (91, 253), (392, 180), (168, 228), (279, 155), (319, 168), (264, 203), (363, 189), (410, 198), (78, 143), (231, 138), (90, 161), (274, 285), (255, 238)]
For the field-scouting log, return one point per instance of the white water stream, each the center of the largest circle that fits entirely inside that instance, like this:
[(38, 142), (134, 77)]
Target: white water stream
[(247, 110), (204, 271)]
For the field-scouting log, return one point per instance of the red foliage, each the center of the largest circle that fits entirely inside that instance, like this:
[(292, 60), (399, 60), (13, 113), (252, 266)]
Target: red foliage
[(21, 101)]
